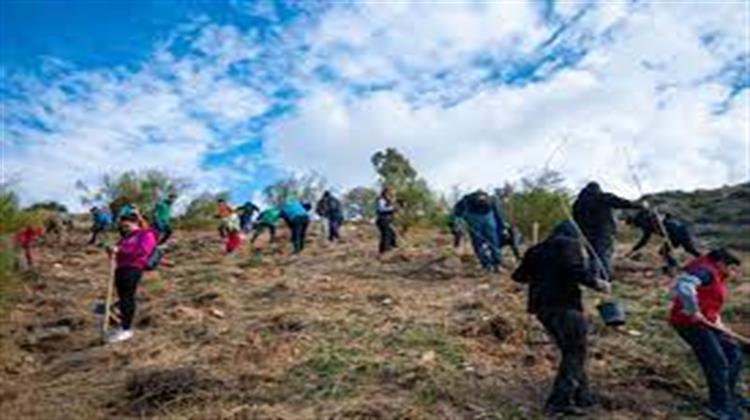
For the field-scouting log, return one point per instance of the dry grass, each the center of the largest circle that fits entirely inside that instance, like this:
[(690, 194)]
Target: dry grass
[(333, 333)]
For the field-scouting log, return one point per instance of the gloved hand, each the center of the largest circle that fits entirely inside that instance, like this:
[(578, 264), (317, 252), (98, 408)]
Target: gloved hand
[(604, 286)]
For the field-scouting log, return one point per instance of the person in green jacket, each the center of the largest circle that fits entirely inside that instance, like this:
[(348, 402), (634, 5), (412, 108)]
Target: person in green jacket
[(162, 216), (267, 219)]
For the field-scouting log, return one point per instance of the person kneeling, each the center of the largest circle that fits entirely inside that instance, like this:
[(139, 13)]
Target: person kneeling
[(554, 269)]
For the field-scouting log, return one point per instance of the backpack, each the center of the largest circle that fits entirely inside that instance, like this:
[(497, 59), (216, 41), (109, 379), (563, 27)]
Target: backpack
[(154, 259)]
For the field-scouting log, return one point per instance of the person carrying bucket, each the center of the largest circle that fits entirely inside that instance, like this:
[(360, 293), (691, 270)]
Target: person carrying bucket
[(131, 256), (555, 269), (482, 217), (593, 212), (700, 293)]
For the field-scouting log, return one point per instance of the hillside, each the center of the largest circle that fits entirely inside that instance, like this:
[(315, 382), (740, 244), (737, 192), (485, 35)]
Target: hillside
[(333, 333), (719, 216)]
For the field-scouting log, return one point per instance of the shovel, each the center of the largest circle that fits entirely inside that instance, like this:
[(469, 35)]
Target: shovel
[(108, 300)]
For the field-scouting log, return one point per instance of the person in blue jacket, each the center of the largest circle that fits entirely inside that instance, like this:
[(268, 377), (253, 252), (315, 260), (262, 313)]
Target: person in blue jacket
[(483, 219), (102, 221), (294, 213)]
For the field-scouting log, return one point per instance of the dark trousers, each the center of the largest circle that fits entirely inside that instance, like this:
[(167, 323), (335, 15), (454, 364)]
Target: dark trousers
[(510, 239), (165, 232), (246, 222), (298, 226), (259, 228), (686, 242), (334, 223), (126, 282), (601, 263), (721, 361), (486, 244), (387, 234), (568, 329), (96, 230)]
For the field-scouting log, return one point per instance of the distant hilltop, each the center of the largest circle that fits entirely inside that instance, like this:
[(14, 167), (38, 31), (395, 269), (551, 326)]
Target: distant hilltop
[(719, 216)]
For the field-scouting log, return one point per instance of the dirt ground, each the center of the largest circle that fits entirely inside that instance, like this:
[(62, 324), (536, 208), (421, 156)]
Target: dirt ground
[(334, 333)]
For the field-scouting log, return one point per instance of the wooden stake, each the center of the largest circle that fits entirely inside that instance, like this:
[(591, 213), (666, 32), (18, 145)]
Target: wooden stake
[(110, 290), (535, 233)]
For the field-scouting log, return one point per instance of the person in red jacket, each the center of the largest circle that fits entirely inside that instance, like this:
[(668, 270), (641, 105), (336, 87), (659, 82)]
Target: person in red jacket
[(699, 296), (25, 239)]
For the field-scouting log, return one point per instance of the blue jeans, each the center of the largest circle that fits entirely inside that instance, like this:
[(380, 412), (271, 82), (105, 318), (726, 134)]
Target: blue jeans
[(485, 242), (601, 263), (721, 361)]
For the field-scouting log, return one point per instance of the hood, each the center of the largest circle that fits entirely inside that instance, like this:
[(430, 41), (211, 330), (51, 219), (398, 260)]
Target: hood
[(565, 229)]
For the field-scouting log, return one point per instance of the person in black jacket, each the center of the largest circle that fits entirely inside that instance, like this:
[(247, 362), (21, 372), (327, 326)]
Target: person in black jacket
[(593, 212), (385, 209), (677, 230), (330, 207), (554, 270)]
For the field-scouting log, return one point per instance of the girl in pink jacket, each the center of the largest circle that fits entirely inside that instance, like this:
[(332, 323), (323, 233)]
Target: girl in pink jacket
[(131, 256)]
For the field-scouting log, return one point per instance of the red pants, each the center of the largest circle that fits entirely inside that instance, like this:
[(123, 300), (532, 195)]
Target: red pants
[(232, 241)]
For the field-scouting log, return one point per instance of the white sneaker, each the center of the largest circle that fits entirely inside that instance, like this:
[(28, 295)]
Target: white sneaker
[(119, 335)]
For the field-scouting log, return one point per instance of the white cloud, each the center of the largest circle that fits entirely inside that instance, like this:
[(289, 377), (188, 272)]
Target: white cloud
[(609, 102), (447, 83)]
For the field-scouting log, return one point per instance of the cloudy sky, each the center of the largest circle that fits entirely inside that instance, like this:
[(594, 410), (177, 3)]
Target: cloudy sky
[(235, 95)]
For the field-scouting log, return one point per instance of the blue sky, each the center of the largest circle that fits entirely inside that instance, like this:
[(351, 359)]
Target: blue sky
[(233, 95)]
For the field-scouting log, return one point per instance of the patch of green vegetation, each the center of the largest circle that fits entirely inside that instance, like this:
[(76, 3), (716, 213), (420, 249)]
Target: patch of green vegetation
[(205, 275), (424, 338), (9, 283), (255, 260), (331, 371)]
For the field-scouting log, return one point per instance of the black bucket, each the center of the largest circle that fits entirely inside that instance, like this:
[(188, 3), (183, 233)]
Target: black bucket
[(613, 313)]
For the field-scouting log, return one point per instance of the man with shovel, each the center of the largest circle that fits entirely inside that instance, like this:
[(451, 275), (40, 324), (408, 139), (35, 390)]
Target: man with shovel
[(677, 231), (699, 295), (554, 270)]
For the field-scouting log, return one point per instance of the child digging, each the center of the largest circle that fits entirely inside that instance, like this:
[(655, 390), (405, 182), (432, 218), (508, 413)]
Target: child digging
[(131, 257)]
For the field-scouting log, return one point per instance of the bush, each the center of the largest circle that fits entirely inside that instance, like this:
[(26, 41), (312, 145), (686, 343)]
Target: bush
[(306, 188), (359, 203), (11, 220), (540, 199), (140, 188), (200, 212), (417, 203)]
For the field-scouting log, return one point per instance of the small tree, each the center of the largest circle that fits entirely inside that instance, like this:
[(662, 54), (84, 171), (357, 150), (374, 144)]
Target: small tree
[(412, 193), (201, 210), (52, 206), (140, 188), (307, 188), (541, 198), (359, 203)]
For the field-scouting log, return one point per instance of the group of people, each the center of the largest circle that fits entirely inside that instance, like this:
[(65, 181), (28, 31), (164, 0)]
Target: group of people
[(235, 223), (578, 252), (555, 268)]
